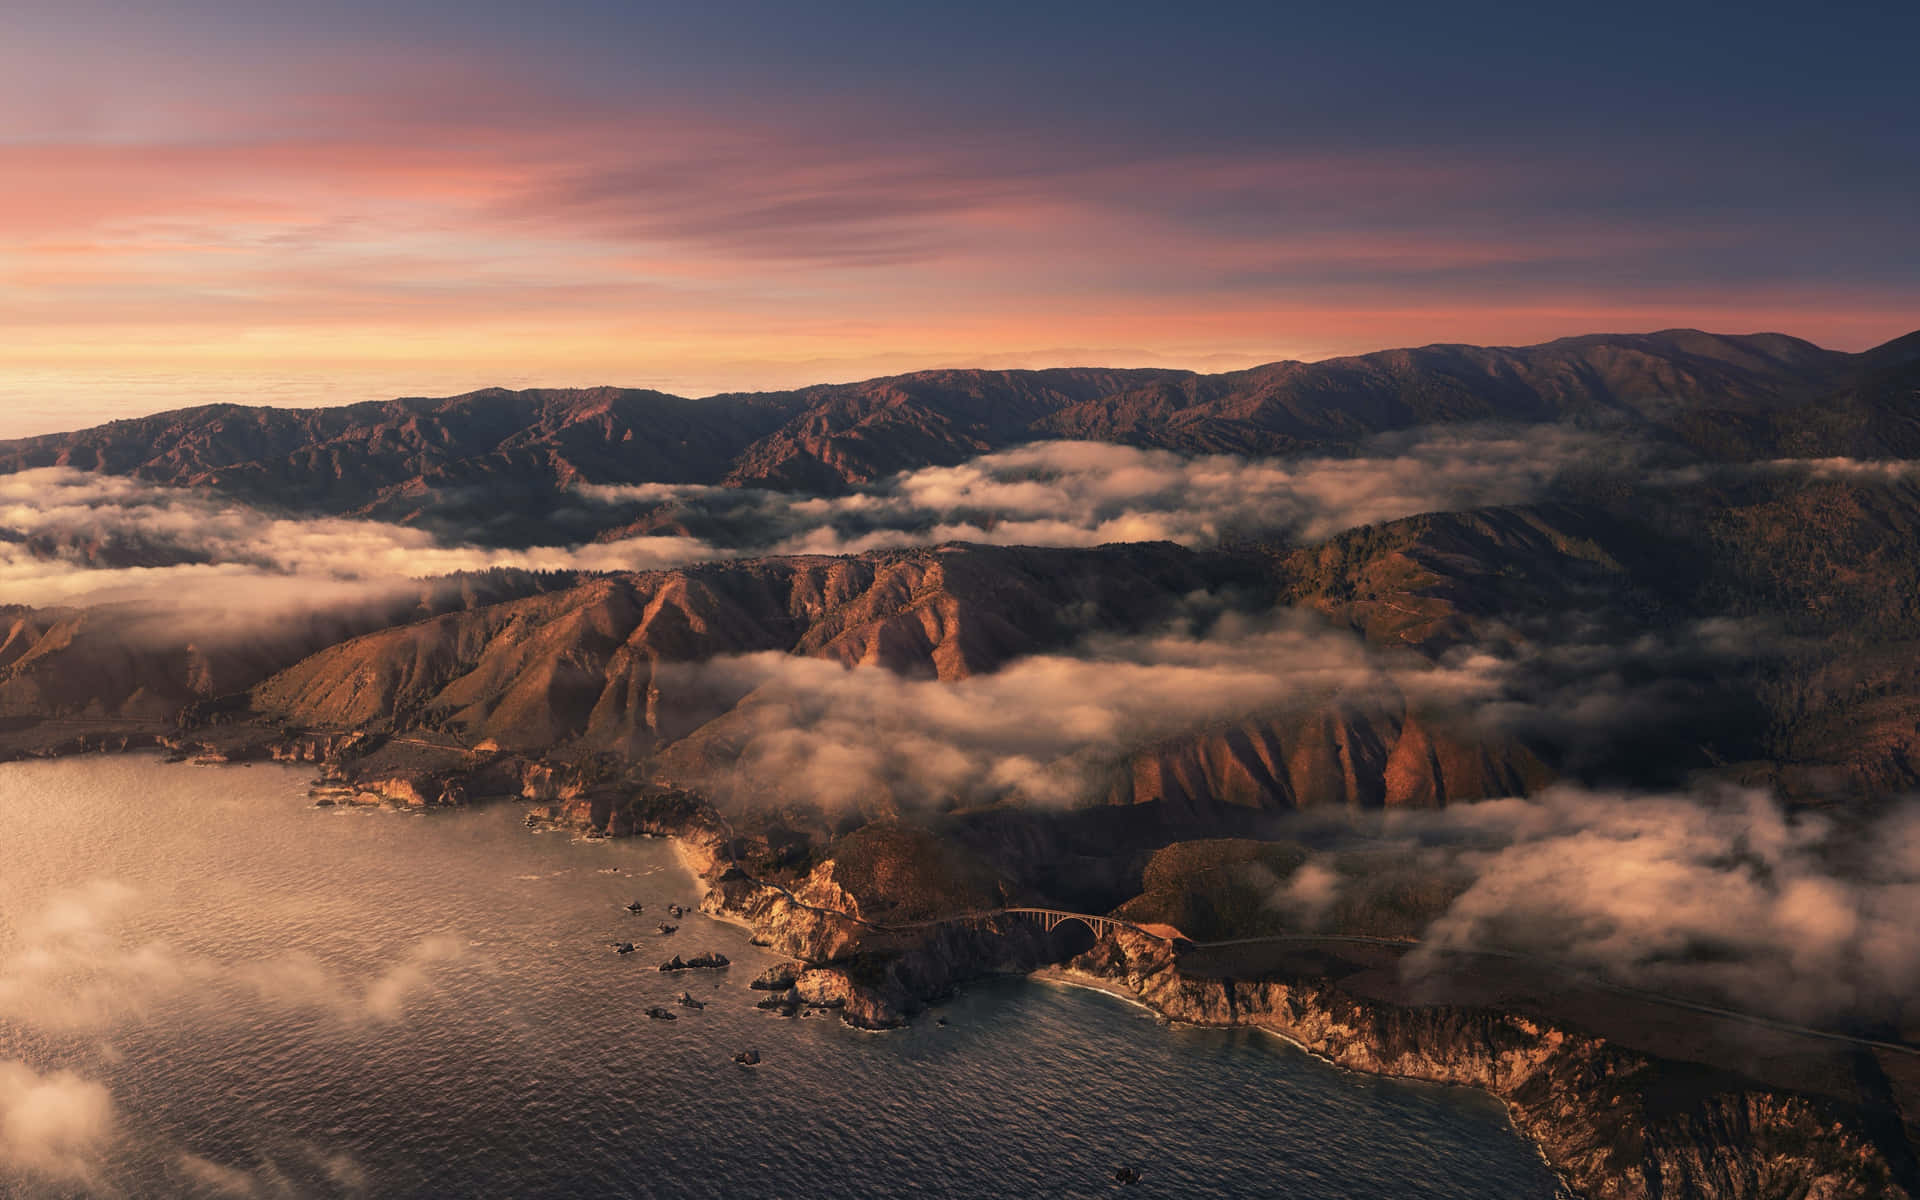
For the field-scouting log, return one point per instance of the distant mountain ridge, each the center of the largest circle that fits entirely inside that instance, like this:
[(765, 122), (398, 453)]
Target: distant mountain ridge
[(1227, 736), (1727, 397), (532, 661)]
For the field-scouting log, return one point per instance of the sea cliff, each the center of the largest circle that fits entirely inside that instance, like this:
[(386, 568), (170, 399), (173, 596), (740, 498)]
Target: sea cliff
[(1616, 1125)]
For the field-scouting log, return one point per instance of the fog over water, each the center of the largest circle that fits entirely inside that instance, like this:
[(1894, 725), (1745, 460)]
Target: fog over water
[(208, 987)]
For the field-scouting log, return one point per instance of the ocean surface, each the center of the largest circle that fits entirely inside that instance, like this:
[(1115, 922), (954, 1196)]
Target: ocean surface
[(209, 987)]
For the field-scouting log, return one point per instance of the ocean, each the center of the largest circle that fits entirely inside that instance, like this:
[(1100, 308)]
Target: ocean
[(209, 987)]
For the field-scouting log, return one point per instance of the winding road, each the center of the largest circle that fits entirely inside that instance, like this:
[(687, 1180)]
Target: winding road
[(1101, 926)]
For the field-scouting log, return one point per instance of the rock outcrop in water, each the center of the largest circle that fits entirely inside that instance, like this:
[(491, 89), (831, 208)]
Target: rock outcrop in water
[(579, 695), (709, 961), (1614, 1123)]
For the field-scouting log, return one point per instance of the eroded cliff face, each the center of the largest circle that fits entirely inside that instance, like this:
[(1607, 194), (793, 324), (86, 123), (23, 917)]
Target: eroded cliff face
[(876, 976), (1615, 1124), (1605, 1118), (608, 665), (171, 662), (1373, 756)]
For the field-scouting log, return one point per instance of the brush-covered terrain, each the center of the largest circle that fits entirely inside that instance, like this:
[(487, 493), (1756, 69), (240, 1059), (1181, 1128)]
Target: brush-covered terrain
[(1311, 650)]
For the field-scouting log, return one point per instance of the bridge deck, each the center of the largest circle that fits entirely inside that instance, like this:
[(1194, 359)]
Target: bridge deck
[(1051, 918)]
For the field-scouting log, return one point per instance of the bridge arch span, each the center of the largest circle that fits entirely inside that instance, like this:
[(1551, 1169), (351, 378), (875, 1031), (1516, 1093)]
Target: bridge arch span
[(1053, 925), (1051, 919)]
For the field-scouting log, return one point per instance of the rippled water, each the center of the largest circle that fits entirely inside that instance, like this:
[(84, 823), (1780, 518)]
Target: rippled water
[(208, 987)]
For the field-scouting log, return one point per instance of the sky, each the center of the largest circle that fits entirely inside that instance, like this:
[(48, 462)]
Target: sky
[(247, 200)]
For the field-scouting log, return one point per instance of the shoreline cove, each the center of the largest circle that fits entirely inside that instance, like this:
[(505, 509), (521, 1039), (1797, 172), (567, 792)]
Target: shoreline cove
[(1575, 1128), (275, 911), (1069, 978), (1559, 1089)]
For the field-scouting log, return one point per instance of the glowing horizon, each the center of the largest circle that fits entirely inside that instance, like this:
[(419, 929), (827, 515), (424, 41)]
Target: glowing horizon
[(206, 207)]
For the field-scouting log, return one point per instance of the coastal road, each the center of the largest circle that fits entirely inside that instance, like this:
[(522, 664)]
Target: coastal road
[(1099, 923)]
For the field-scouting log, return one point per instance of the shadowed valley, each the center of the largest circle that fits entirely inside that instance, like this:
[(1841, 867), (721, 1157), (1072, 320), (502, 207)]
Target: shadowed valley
[(1667, 604)]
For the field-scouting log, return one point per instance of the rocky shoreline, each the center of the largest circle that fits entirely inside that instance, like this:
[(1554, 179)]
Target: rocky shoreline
[(1614, 1124), (1584, 1103)]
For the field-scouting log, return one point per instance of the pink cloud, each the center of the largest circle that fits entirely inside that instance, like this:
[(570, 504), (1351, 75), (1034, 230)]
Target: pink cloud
[(472, 218)]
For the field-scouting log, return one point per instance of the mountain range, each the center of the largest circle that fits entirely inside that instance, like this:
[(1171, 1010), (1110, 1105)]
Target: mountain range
[(1176, 647), (543, 662), (421, 460)]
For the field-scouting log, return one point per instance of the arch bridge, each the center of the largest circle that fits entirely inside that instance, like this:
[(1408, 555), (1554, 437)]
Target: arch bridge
[(1050, 919)]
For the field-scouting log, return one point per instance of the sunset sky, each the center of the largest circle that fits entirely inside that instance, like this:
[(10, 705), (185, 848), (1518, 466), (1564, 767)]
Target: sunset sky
[(263, 202)]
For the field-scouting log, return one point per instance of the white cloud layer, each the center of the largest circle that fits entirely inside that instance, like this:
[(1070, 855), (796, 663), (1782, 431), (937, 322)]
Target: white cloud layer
[(74, 966), (53, 1125), (1089, 493), (1044, 727), (68, 536), (1720, 894), (1855, 470)]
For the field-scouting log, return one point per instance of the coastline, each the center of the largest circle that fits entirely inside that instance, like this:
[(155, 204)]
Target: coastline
[(1589, 1109), (1067, 977), (1063, 976), (1558, 1087)]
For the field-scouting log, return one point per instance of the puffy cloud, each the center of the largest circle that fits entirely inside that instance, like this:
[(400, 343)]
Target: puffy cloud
[(76, 965), (213, 1178), (1721, 894), (1050, 728), (1309, 892), (69, 536), (268, 1178), (56, 1124), (1088, 493), (1044, 728)]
